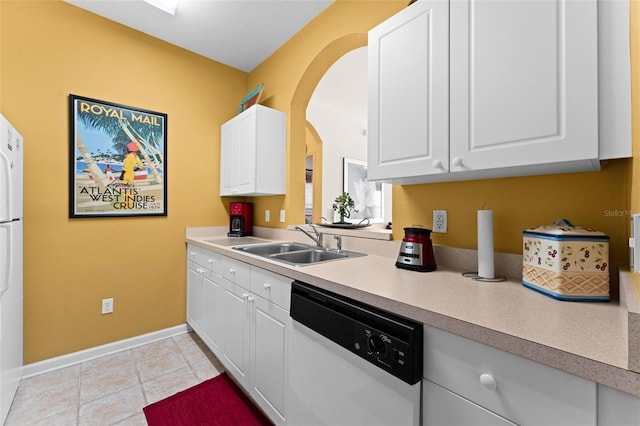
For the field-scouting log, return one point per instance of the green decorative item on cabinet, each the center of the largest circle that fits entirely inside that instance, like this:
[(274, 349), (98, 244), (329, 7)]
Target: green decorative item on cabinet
[(251, 99)]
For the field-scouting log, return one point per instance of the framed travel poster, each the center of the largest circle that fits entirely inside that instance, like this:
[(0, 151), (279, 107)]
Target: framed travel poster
[(117, 158)]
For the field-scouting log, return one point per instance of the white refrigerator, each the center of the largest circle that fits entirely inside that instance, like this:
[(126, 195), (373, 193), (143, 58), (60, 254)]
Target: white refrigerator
[(11, 263)]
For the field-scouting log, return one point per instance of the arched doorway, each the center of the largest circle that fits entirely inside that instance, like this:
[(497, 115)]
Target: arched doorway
[(298, 123), (313, 190)]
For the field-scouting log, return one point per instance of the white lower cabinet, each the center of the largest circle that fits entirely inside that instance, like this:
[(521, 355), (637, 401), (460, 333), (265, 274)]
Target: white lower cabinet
[(196, 270), (195, 273), (204, 296), (617, 408), (269, 337), (256, 335), (212, 326), (236, 317), (242, 313), (441, 407), (466, 377)]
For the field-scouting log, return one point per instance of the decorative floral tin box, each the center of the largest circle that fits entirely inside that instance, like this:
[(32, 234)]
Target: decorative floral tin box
[(566, 262)]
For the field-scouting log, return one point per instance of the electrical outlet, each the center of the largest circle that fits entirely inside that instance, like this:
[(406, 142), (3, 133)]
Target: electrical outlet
[(267, 215), (282, 216), (107, 306), (440, 221)]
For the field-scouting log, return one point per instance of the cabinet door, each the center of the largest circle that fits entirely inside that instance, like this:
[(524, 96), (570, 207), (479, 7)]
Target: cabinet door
[(236, 332), (228, 147), (252, 154), (245, 161), (523, 391), (269, 340), (617, 408), (523, 83), (409, 93), (194, 290), (238, 155), (212, 320), (441, 407)]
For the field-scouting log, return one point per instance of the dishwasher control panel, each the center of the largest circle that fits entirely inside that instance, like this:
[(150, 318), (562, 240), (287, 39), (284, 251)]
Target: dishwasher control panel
[(389, 341), (381, 348)]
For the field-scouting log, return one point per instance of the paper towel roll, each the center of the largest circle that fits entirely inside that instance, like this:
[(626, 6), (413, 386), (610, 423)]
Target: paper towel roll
[(331, 215), (485, 244)]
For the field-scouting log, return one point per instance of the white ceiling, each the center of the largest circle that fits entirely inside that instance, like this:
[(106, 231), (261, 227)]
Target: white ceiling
[(242, 34), (238, 33)]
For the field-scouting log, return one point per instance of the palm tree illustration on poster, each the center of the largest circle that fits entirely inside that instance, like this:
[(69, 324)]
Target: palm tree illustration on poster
[(117, 160)]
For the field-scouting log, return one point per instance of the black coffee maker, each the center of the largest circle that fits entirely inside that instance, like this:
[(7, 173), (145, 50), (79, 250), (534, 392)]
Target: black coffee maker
[(241, 219)]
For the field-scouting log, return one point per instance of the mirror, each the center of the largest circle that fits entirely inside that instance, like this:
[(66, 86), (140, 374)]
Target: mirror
[(337, 113)]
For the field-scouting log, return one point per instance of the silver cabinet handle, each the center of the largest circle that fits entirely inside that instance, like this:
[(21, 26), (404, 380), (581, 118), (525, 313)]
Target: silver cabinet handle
[(267, 286)]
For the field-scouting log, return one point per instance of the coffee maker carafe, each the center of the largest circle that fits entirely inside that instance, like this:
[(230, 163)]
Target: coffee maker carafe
[(241, 219)]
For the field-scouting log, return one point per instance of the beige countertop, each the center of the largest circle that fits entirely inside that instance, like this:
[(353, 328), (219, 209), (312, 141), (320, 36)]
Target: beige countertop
[(590, 340)]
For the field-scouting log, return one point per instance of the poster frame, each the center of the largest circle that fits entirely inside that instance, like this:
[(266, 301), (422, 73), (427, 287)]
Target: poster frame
[(100, 183)]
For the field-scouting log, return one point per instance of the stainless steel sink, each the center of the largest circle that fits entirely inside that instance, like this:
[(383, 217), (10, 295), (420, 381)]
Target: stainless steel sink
[(274, 248), (296, 254), (309, 256)]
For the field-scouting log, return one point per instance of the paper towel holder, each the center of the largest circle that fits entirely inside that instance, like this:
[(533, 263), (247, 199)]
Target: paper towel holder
[(487, 223), (474, 276)]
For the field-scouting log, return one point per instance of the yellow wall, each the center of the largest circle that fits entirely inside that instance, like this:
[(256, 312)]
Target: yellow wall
[(598, 200), (291, 74), (49, 50)]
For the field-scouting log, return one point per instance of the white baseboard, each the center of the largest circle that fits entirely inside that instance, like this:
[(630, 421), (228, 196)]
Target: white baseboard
[(62, 361)]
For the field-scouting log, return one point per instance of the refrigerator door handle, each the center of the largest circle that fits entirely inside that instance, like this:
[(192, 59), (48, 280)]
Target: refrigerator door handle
[(4, 284), (7, 178)]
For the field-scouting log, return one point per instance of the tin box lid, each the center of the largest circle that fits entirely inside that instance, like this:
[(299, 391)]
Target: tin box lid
[(563, 229)]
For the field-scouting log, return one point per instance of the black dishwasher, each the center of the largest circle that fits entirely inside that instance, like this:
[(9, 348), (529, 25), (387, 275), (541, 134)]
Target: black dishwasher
[(386, 340)]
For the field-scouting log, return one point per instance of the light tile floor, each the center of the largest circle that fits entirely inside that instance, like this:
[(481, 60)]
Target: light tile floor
[(113, 389)]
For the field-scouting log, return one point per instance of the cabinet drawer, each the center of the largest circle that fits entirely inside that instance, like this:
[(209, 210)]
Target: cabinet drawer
[(526, 392), (443, 407), (199, 256), (234, 270), (273, 287)]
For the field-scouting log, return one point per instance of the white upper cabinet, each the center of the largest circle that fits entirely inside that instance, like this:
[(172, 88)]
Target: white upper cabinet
[(524, 83), (409, 93), (472, 89), (252, 153)]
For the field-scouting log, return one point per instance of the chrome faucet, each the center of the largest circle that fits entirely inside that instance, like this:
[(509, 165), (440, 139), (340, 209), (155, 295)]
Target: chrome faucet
[(338, 239), (317, 239)]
